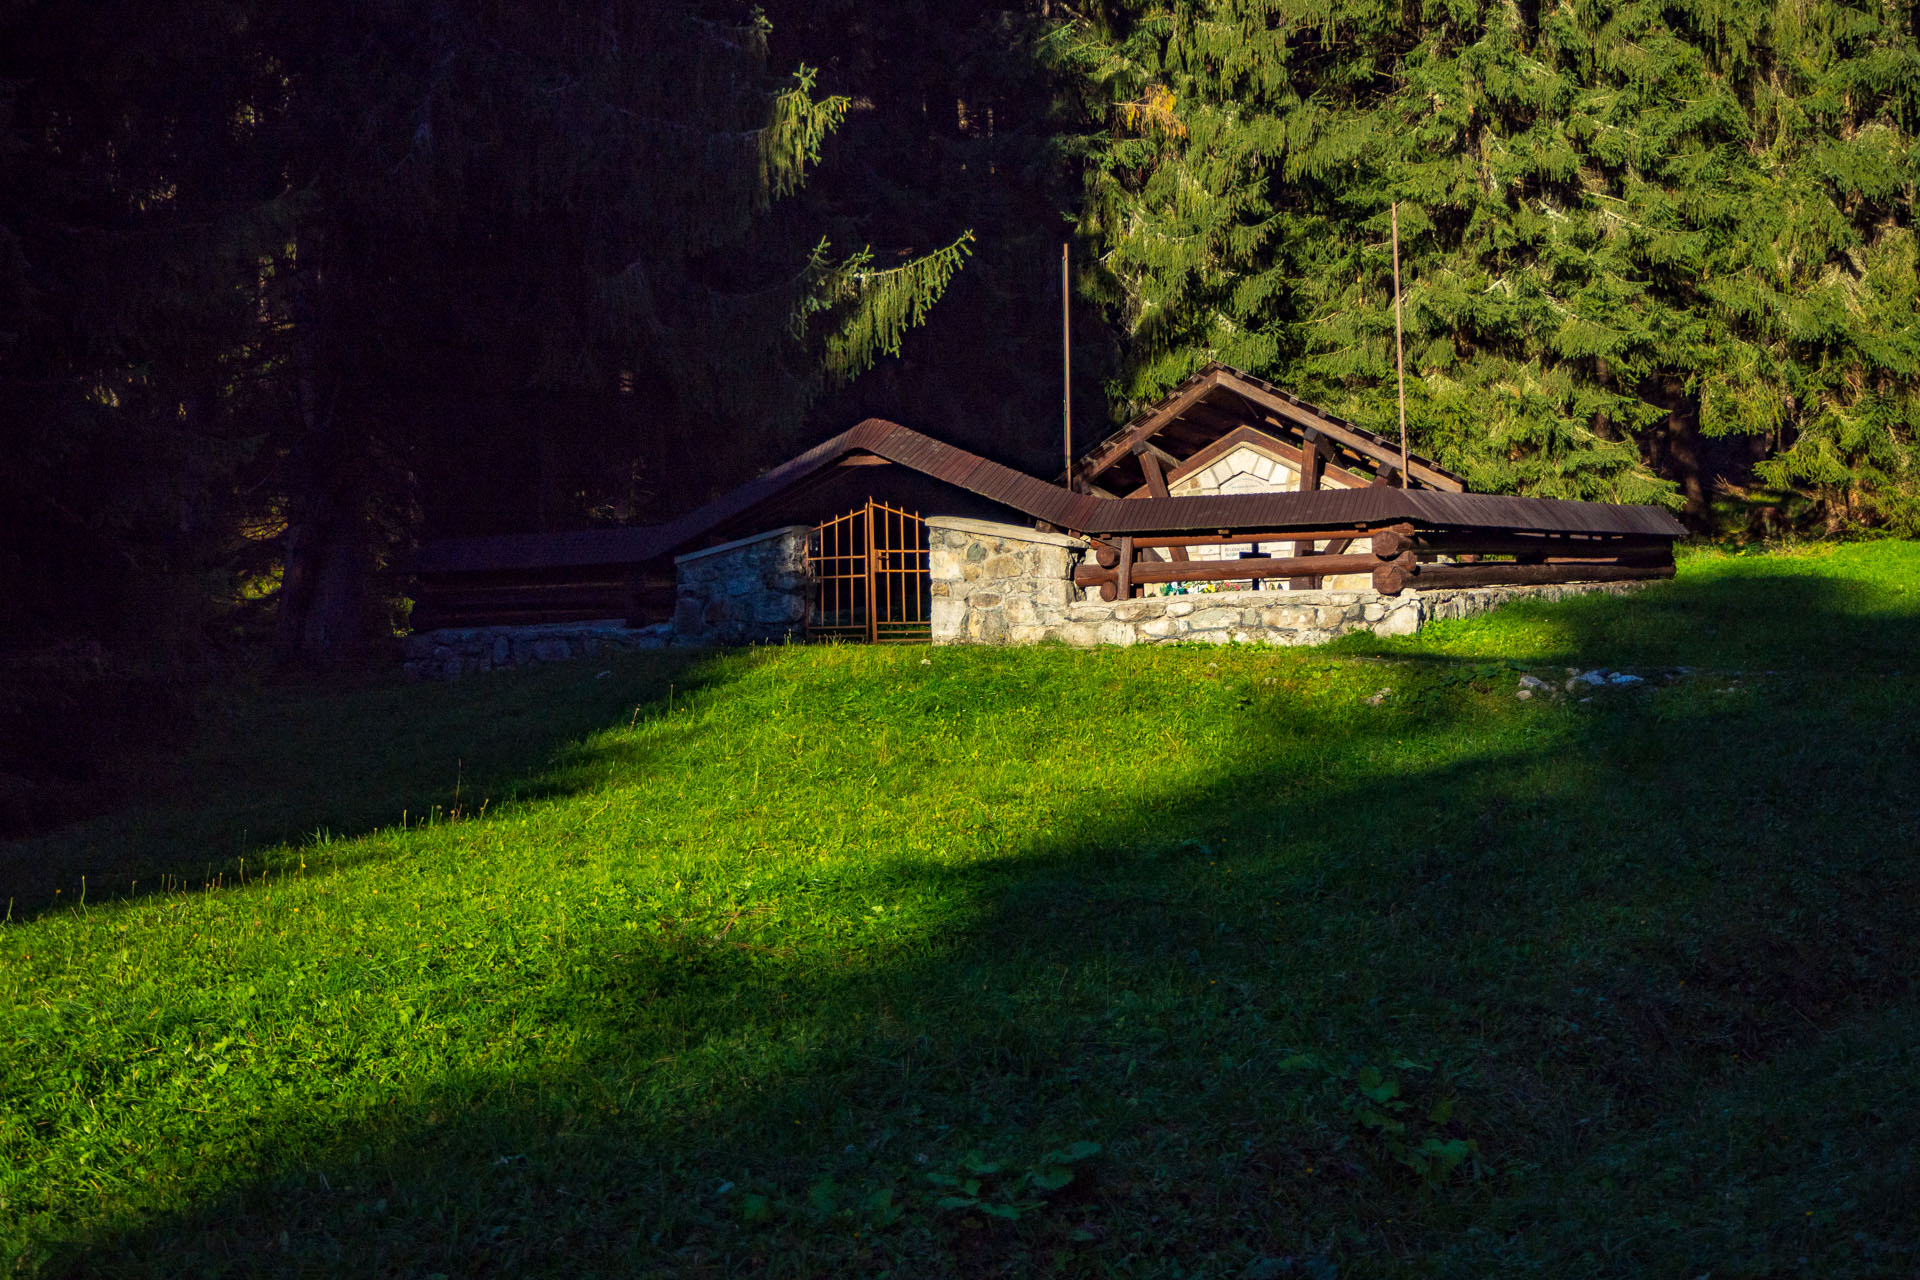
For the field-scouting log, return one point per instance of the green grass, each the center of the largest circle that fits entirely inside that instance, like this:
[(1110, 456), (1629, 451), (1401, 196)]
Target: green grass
[(820, 961)]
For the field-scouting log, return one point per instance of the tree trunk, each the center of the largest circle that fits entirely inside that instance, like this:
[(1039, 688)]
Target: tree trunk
[(1675, 449), (322, 610)]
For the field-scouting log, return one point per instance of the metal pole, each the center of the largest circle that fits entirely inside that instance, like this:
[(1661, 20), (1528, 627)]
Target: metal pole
[(867, 562), (1399, 351), (1066, 369)]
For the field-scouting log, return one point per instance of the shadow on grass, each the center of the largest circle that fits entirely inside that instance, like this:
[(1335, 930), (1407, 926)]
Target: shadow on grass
[(279, 766), (1816, 613), (1562, 1002)]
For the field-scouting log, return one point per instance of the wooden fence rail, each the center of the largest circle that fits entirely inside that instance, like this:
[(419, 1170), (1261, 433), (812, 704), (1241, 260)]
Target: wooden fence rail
[(1402, 556)]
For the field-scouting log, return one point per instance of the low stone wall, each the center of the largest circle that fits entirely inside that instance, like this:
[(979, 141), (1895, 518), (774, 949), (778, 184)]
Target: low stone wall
[(1277, 617), (463, 651), (998, 583), (1002, 584), (749, 591)]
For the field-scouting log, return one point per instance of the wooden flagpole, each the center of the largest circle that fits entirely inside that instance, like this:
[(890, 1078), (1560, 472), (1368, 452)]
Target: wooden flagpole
[(1399, 350), (1066, 370)]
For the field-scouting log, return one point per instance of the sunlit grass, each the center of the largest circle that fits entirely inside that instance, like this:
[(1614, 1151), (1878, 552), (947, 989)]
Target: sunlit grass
[(707, 964)]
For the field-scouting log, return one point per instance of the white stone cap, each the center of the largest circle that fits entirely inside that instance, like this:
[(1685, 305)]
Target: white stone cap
[(737, 543), (1011, 532)]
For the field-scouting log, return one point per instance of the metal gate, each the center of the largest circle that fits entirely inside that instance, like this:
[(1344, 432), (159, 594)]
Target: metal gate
[(870, 576)]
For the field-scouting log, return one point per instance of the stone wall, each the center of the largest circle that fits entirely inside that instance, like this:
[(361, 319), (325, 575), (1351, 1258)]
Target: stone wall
[(453, 652), (998, 583), (750, 591), (994, 584), (1002, 584)]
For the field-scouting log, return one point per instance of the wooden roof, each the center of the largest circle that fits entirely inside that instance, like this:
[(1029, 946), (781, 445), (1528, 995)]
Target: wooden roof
[(1262, 442), (1051, 504), (1219, 400)]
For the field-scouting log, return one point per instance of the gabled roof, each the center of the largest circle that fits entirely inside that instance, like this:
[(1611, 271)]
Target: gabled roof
[(1219, 399), (1261, 442), (1048, 503)]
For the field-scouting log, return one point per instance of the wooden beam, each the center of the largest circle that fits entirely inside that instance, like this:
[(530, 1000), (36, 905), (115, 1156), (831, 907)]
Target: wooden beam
[(1252, 418), (1497, 542), (1123, 574), (1116, 450), (1340, 544), (1222, 570), (1219, 419), (1313, 462), (1232, 536), (1390, 579), (1157, 485), (1390, 540), (1147, 449), (863, 460), (1659, 556), (1259, 439), (1352, 440), (1156, 478)]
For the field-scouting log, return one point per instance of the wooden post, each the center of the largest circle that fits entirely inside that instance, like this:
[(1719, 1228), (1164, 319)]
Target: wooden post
[(1399, 352), (1123, 584), (1313, 461), (1157, 486), (1066, 368)]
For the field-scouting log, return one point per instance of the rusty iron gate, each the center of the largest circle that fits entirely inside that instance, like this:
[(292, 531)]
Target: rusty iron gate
[(870, 577)]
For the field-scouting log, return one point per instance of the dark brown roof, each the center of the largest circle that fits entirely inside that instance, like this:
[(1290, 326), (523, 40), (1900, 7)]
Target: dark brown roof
[(1083, 513), (1337, 508)]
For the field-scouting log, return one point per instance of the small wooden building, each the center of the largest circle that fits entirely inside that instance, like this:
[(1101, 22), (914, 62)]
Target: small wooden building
[(1227, 480)]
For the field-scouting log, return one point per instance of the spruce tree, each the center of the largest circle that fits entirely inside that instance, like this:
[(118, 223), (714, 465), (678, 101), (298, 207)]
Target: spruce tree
[(1624, 228)]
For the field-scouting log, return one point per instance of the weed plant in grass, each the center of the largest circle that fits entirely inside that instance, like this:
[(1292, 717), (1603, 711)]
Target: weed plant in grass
[(824, 961)]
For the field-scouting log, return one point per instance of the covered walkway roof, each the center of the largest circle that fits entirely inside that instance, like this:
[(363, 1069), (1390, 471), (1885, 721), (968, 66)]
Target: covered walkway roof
[(878, 440)]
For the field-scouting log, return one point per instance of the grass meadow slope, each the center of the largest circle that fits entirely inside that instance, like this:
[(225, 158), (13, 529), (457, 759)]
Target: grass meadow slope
[(864, 961)]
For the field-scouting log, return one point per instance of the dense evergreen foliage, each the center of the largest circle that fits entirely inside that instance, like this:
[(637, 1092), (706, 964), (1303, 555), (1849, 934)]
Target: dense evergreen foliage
[(1625, 228)]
